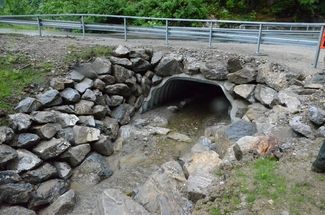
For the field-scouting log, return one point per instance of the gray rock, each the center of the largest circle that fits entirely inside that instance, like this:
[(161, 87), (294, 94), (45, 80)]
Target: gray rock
[(145, 85), (6, 134), (290, 100), (67, 134), (50, 98), (113, 201), (28, 105), (61, 83), (234, 64), (99, 84), (84, 85), (275, 80), (76, 76), (192, 66), (121, 61), (84, 107), (121, 74), (156, 57), (298, 126), (100, 111), (256, 111), (63, 108), (47, 131), (316, 115), (16, 210), (115, 100), (118, 89), (239, 129), (141, 53), (101, 66), (86, 70), (266, 95), (321, 131), (70, 95), (9, 176), (62, 205), (76, 154), (67, 120), (156, 80), (318, 78), (168, 66), (63, 169), (110, 127), (48, 191), (121, 51), (7, 154), (20, 121), (216, 70), (89, 95), (160, 194), (25, 161), (87, 121), (123, 113), (245, 91), (108, 79), (40, 174), (15, 193), (94, 167), (51, 148), (103, 146), (243, 76), (179, 137), (84, 134), (140, 65), (43, 117)]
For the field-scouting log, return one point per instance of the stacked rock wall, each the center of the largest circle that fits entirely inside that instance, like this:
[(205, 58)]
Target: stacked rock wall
[(64, 133)]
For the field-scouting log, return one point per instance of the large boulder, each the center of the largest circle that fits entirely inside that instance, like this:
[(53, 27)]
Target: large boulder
[(319, 164), (20, 121), (84, 85), (92, 170), (121, 74), (168, 66), (86, 70), (156, 57), (63, 169), (90, 95), (266, 95), (115, 100), (239, 129), (13, 193), (48, 191), (9, 176), (118, 89), (75, 155), (290, 100), (84, 107), (160, 194), (66, 120), (7, 154), (297, 124), (234, 64), (87, 121), (25, 161), (140, 65), (110, 127), (103, 146), (101, 66), (16, 210), (214, 70), (6, 134), (275, 80), (316, 115), (28, 105), (256, 111), (62, 205), (70, 95), (123, 113), (121, 61), (40, 174), (83, 134), (113, 201), (179, 137), (121, 51), (245, 91), (61, 83), (52, 148), (43, 117), (47, 131), (27, 140), (243, 76), (50, 98)]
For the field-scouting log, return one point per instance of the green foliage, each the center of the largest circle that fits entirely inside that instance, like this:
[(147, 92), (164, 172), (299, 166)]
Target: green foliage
[(215, 211), (84, 54)]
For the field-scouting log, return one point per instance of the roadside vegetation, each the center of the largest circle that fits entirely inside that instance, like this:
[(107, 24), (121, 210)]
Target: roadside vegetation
[(268, 10), (261, 185)]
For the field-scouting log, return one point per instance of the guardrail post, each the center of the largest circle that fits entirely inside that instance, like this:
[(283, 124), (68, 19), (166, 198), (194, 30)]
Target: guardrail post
[(259, 39), (318, 46), (39, 24), (210, 34), (166, 36), (125, 30), (83, 26)]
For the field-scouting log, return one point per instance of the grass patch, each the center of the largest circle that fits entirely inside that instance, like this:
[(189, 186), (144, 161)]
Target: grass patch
[(77, 54), (215, 211), (18, 27)]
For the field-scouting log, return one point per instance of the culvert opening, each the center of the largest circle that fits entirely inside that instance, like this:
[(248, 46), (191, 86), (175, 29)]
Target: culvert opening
[(193, 98)]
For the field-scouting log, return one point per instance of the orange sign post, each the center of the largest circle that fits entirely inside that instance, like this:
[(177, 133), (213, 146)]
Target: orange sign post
[(322, 44)]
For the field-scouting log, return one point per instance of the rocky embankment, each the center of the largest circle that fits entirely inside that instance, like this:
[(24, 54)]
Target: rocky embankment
[(64, 134)]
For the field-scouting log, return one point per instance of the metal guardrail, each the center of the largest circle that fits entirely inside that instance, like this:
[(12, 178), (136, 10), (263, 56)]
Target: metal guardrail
[(280, 33)]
